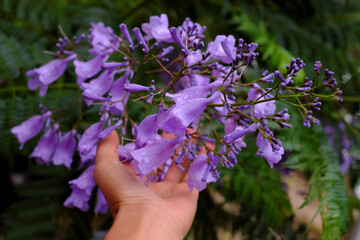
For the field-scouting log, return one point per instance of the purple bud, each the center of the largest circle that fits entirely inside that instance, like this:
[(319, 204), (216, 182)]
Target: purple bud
[(126, 35), (132, 87), (141, 40), (176, 36)]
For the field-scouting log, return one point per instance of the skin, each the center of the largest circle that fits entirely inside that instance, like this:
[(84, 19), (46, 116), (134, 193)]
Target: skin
[(163, 210)]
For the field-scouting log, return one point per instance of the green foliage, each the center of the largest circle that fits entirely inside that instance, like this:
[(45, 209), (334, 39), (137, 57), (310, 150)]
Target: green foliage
[(258, 189), (40, 213), (312, 153)]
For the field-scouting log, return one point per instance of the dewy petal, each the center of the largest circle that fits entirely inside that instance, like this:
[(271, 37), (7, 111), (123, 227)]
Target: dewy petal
[(181, 115), (194, 92), (147, 131), (65, 150), (46, 146), (196, 173), (100, 85), (47, 74), (155, 154), (217, 50), (261, 109), (85, 70), (158, 28), (267, 152), (101, 205), (29, 128), (90, 138), (82, 188), (88, 158)]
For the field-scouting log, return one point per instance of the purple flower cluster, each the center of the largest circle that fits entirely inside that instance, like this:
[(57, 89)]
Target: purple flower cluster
[(202, 91)]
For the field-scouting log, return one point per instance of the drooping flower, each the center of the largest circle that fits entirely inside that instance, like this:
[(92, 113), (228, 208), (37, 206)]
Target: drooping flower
[(65, 150), (179, 117), (217, 51), (46, 146), (147, 131), (155, 154), (265, 150), (261, 109), (88, 158), (29, 128), (119, 94), (100, 85), (81, 190), (199, 174), (102, 39), (101, 205), (90, 138), (158, 28), (43, 76), (86, 70), (193, 92)]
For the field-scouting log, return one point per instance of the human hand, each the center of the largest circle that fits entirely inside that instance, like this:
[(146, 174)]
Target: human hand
[(163, 210)]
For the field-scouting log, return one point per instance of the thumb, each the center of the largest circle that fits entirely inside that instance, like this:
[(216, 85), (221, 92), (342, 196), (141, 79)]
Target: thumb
[(116, 180)]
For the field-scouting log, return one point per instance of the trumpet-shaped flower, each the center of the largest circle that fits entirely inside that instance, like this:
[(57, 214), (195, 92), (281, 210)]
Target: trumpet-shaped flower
[(46, 146), (158, 28), (29, 128), (65, 150), (81, 190), (43, 76)]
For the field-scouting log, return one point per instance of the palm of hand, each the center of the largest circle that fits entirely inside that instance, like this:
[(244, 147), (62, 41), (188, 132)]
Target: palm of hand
[(169, 202)]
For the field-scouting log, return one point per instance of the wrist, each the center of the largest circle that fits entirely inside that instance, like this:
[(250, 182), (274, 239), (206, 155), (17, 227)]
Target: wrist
[(144, 222)]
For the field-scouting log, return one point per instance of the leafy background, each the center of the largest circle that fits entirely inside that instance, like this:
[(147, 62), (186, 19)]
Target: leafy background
[(250, 200)]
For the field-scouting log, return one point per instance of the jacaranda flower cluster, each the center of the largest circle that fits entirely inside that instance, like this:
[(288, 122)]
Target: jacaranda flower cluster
[(199, 91)]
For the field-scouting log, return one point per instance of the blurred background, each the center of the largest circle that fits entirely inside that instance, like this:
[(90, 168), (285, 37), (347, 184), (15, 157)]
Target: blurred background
[(252, 201)]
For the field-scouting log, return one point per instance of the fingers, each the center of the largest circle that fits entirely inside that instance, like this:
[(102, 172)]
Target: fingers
[(114, 178)]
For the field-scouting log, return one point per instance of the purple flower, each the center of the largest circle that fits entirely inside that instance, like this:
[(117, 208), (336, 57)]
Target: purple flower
[(235, 135), (65, 150), (85, 70), (155, 154), (102, 39), (101, 205), (81, 190), (230, 127), (192, 32), (217, 50), (100, 85), (223, 71), (119, 94), (124, 152), (261, 109), (193, 57), (179, 117), (45, 75), (46, 146), (29, 128), (89, 158), (158, 28), (194, 80), (192, 92), (147, 131), (265, 150), (90, 138), (199, 174)]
